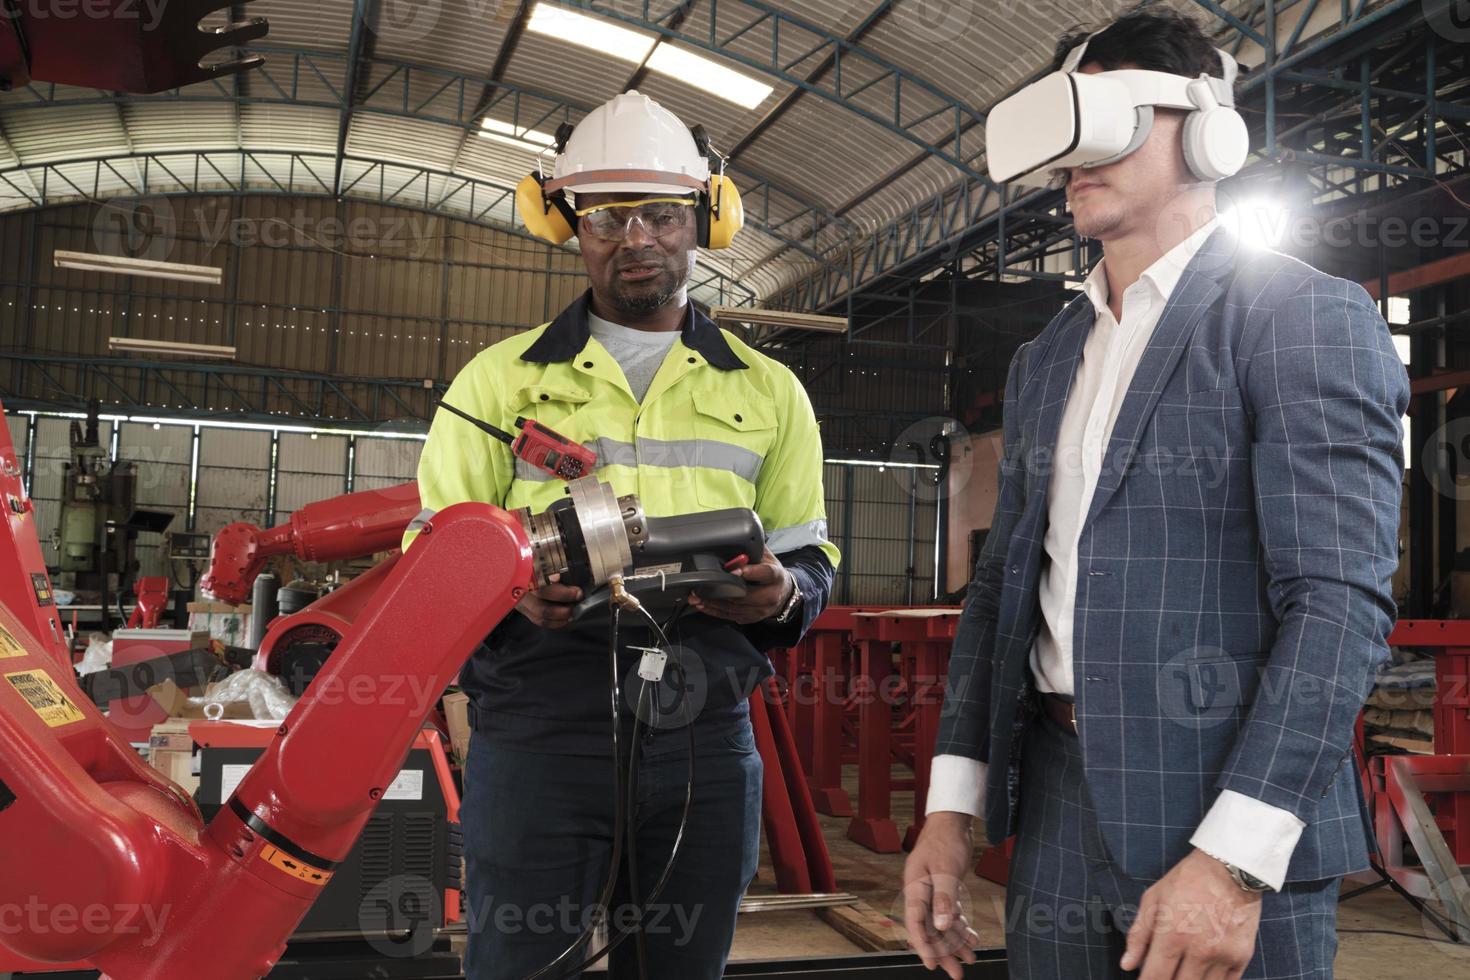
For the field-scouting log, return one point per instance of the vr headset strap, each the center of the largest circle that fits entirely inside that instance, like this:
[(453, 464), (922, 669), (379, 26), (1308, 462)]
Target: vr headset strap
[(1224, 88)]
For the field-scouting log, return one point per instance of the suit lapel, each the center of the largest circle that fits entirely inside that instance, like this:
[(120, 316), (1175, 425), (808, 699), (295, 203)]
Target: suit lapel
[(1197, 289), (1054, 374)]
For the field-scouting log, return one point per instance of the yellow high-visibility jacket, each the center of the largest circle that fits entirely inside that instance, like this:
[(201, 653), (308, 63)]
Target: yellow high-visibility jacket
[(721, 425)]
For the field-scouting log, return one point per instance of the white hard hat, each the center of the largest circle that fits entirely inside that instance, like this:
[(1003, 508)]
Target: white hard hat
[(630, 143)]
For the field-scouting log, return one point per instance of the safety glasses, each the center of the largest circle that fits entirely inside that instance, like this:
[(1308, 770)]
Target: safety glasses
[(659, 217)]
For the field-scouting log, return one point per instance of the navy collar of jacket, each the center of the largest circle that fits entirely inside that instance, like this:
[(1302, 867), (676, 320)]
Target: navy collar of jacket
[(565, 337)]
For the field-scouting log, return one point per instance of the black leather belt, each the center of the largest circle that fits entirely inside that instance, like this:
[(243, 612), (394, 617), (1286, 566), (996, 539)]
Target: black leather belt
[(1060, 710)]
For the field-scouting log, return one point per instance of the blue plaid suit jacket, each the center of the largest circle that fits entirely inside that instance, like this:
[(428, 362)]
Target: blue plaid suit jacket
[(1233, 599)]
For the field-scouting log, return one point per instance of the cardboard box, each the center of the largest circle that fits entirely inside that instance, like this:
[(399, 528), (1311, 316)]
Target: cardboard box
[(224, 622), (171, 736), (171, 752), (457, 714), (178, 705)]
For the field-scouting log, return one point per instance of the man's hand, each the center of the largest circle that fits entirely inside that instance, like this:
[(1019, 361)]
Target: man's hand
[(1195, 923), (550, 607), (770, 586), (932, 912)]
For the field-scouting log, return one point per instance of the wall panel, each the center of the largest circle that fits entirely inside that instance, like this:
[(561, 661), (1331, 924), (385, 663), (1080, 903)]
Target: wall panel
[(234, 478)]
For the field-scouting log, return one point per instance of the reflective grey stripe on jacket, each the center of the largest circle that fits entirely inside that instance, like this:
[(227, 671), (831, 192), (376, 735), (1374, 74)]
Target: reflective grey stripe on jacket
[(785, 539), (664, 453)]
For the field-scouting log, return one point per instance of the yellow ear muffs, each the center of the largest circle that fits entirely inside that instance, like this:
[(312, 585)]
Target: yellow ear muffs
[(726, 213), (546, 219)]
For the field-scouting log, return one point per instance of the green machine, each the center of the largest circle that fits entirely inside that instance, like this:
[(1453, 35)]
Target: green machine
[(99, 521)]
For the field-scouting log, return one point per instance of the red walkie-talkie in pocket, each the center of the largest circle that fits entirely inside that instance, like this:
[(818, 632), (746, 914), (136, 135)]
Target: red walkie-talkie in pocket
[(551, 451), (542, 447)]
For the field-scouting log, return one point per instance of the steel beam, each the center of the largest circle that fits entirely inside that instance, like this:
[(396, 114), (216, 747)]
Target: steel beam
[(482, 201), (783, 213), (927, 237), (359, 43), (855, 69)]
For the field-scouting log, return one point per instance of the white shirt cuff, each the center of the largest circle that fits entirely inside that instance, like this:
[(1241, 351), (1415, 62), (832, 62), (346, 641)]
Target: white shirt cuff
[(1256, 837), (957, 783)]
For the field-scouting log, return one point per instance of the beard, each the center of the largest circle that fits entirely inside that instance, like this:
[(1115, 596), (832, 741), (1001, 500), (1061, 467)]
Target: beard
[(642, 298), (1098, 222), (639, 299)]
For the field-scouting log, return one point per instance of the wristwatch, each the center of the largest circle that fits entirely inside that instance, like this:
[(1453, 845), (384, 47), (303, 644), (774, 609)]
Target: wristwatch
[(788, 611), (1247, 881)]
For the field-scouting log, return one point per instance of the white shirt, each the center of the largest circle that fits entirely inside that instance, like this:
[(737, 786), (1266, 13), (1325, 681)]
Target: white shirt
[(1241, 830)]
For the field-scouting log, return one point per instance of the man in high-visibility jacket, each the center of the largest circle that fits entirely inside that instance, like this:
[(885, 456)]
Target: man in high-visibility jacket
[(691, 419)]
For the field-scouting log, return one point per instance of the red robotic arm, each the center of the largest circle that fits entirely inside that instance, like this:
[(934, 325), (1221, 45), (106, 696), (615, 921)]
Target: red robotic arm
[(349, 526), (133, 844), (359, 524), (85, 826)]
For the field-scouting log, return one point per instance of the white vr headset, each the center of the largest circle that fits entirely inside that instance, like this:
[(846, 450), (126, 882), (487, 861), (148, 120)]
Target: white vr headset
[(1071, 119)]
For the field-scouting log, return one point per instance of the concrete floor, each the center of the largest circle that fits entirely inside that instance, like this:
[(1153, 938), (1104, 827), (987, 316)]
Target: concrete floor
[(876, 878)]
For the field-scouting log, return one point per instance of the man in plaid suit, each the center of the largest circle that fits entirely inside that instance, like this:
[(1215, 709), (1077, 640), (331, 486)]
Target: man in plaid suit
[(1183, 598)]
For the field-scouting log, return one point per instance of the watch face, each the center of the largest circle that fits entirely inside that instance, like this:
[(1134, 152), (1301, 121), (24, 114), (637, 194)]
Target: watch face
[(1249, 881)]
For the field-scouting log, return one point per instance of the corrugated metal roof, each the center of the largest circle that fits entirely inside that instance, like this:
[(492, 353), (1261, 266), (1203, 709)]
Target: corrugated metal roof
[(308, 23), (465, 35), (299, 128), (820, 150), (580, 74)]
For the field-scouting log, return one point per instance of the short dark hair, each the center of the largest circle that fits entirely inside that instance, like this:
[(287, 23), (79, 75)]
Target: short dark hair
[(1149, 36)]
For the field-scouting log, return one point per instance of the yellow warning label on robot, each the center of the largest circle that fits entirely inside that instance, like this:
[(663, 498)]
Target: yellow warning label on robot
[(296, 869), (8, 646), (45, 698)]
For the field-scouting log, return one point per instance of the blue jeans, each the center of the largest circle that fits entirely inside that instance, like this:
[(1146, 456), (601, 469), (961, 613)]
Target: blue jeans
[(538, 842)]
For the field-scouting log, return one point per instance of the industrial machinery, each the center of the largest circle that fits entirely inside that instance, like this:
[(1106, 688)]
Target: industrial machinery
[(99, 522), (85, 825), (119, 44), (666, 558), (132, 838)]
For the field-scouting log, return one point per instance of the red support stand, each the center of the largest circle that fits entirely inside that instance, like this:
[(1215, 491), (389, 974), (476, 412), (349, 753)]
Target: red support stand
[(798, 850), (787, 853), (873, 825), (924, 636), (1424, 800), (930, 669), (809, 829), (829, 676)]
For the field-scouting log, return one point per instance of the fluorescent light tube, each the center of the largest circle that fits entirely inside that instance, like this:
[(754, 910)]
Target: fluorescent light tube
[(137, 345), (596, 33), (708, 75), (123, 266), (730, 315), (525, 139)]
